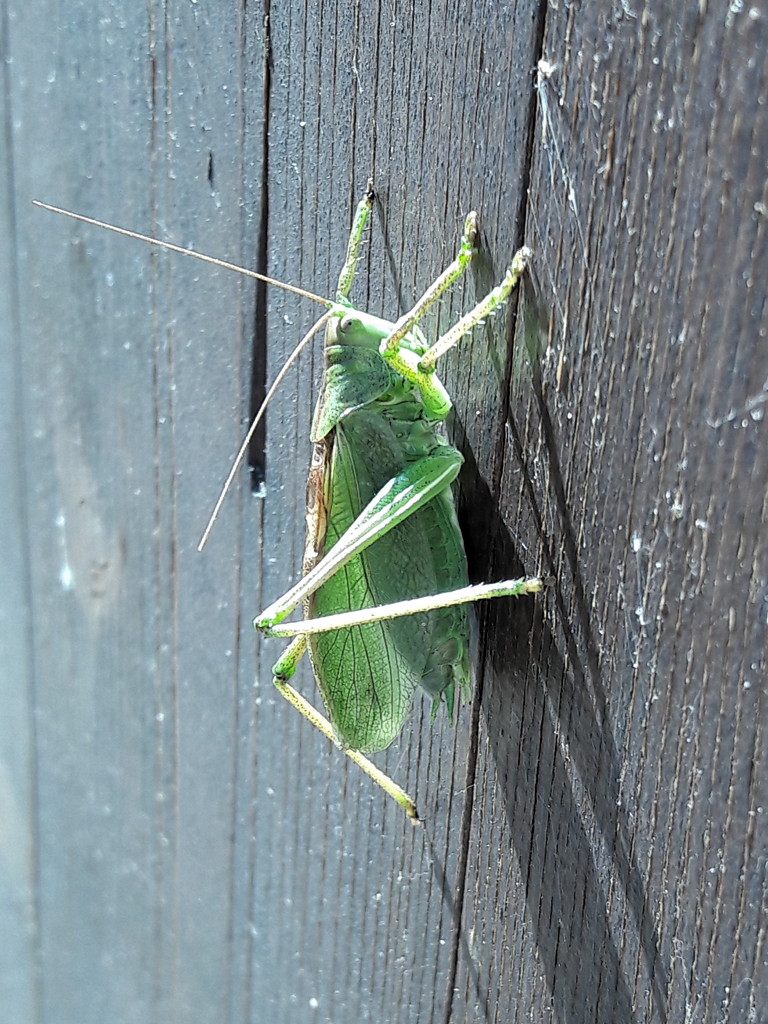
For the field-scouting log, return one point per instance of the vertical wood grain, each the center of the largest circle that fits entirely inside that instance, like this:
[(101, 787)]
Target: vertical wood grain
[(177, 845)]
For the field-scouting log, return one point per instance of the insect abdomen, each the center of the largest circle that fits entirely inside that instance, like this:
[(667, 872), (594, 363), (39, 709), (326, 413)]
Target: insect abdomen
[(368, 674)]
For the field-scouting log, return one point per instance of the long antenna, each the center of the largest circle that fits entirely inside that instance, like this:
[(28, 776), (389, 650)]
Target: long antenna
[(185, 252), (331, 311), (256, 420)]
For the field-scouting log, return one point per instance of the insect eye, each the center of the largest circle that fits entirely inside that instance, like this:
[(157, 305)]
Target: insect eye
[(347, 323)]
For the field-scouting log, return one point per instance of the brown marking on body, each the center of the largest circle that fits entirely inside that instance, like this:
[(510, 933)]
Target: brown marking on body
[(318, 492)]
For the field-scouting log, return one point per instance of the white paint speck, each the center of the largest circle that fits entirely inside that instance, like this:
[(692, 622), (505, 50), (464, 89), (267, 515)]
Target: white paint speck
[(66, 575)]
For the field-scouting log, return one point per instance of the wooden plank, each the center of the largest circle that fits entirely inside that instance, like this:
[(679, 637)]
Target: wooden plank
[(135, 374), (621, 775), (592, 841), (376, 933), (17, 878)]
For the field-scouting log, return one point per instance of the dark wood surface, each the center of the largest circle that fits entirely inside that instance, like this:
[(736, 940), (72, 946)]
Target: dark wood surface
[(178, 845)]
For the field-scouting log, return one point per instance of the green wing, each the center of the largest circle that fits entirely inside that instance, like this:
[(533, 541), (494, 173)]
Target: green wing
[(368, 674)]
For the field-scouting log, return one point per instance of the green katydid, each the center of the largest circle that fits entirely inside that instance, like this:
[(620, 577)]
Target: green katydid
[(385, 582)]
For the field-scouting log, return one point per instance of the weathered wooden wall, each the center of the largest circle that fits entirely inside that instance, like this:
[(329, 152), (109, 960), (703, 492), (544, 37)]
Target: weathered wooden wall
[(177, 846)]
